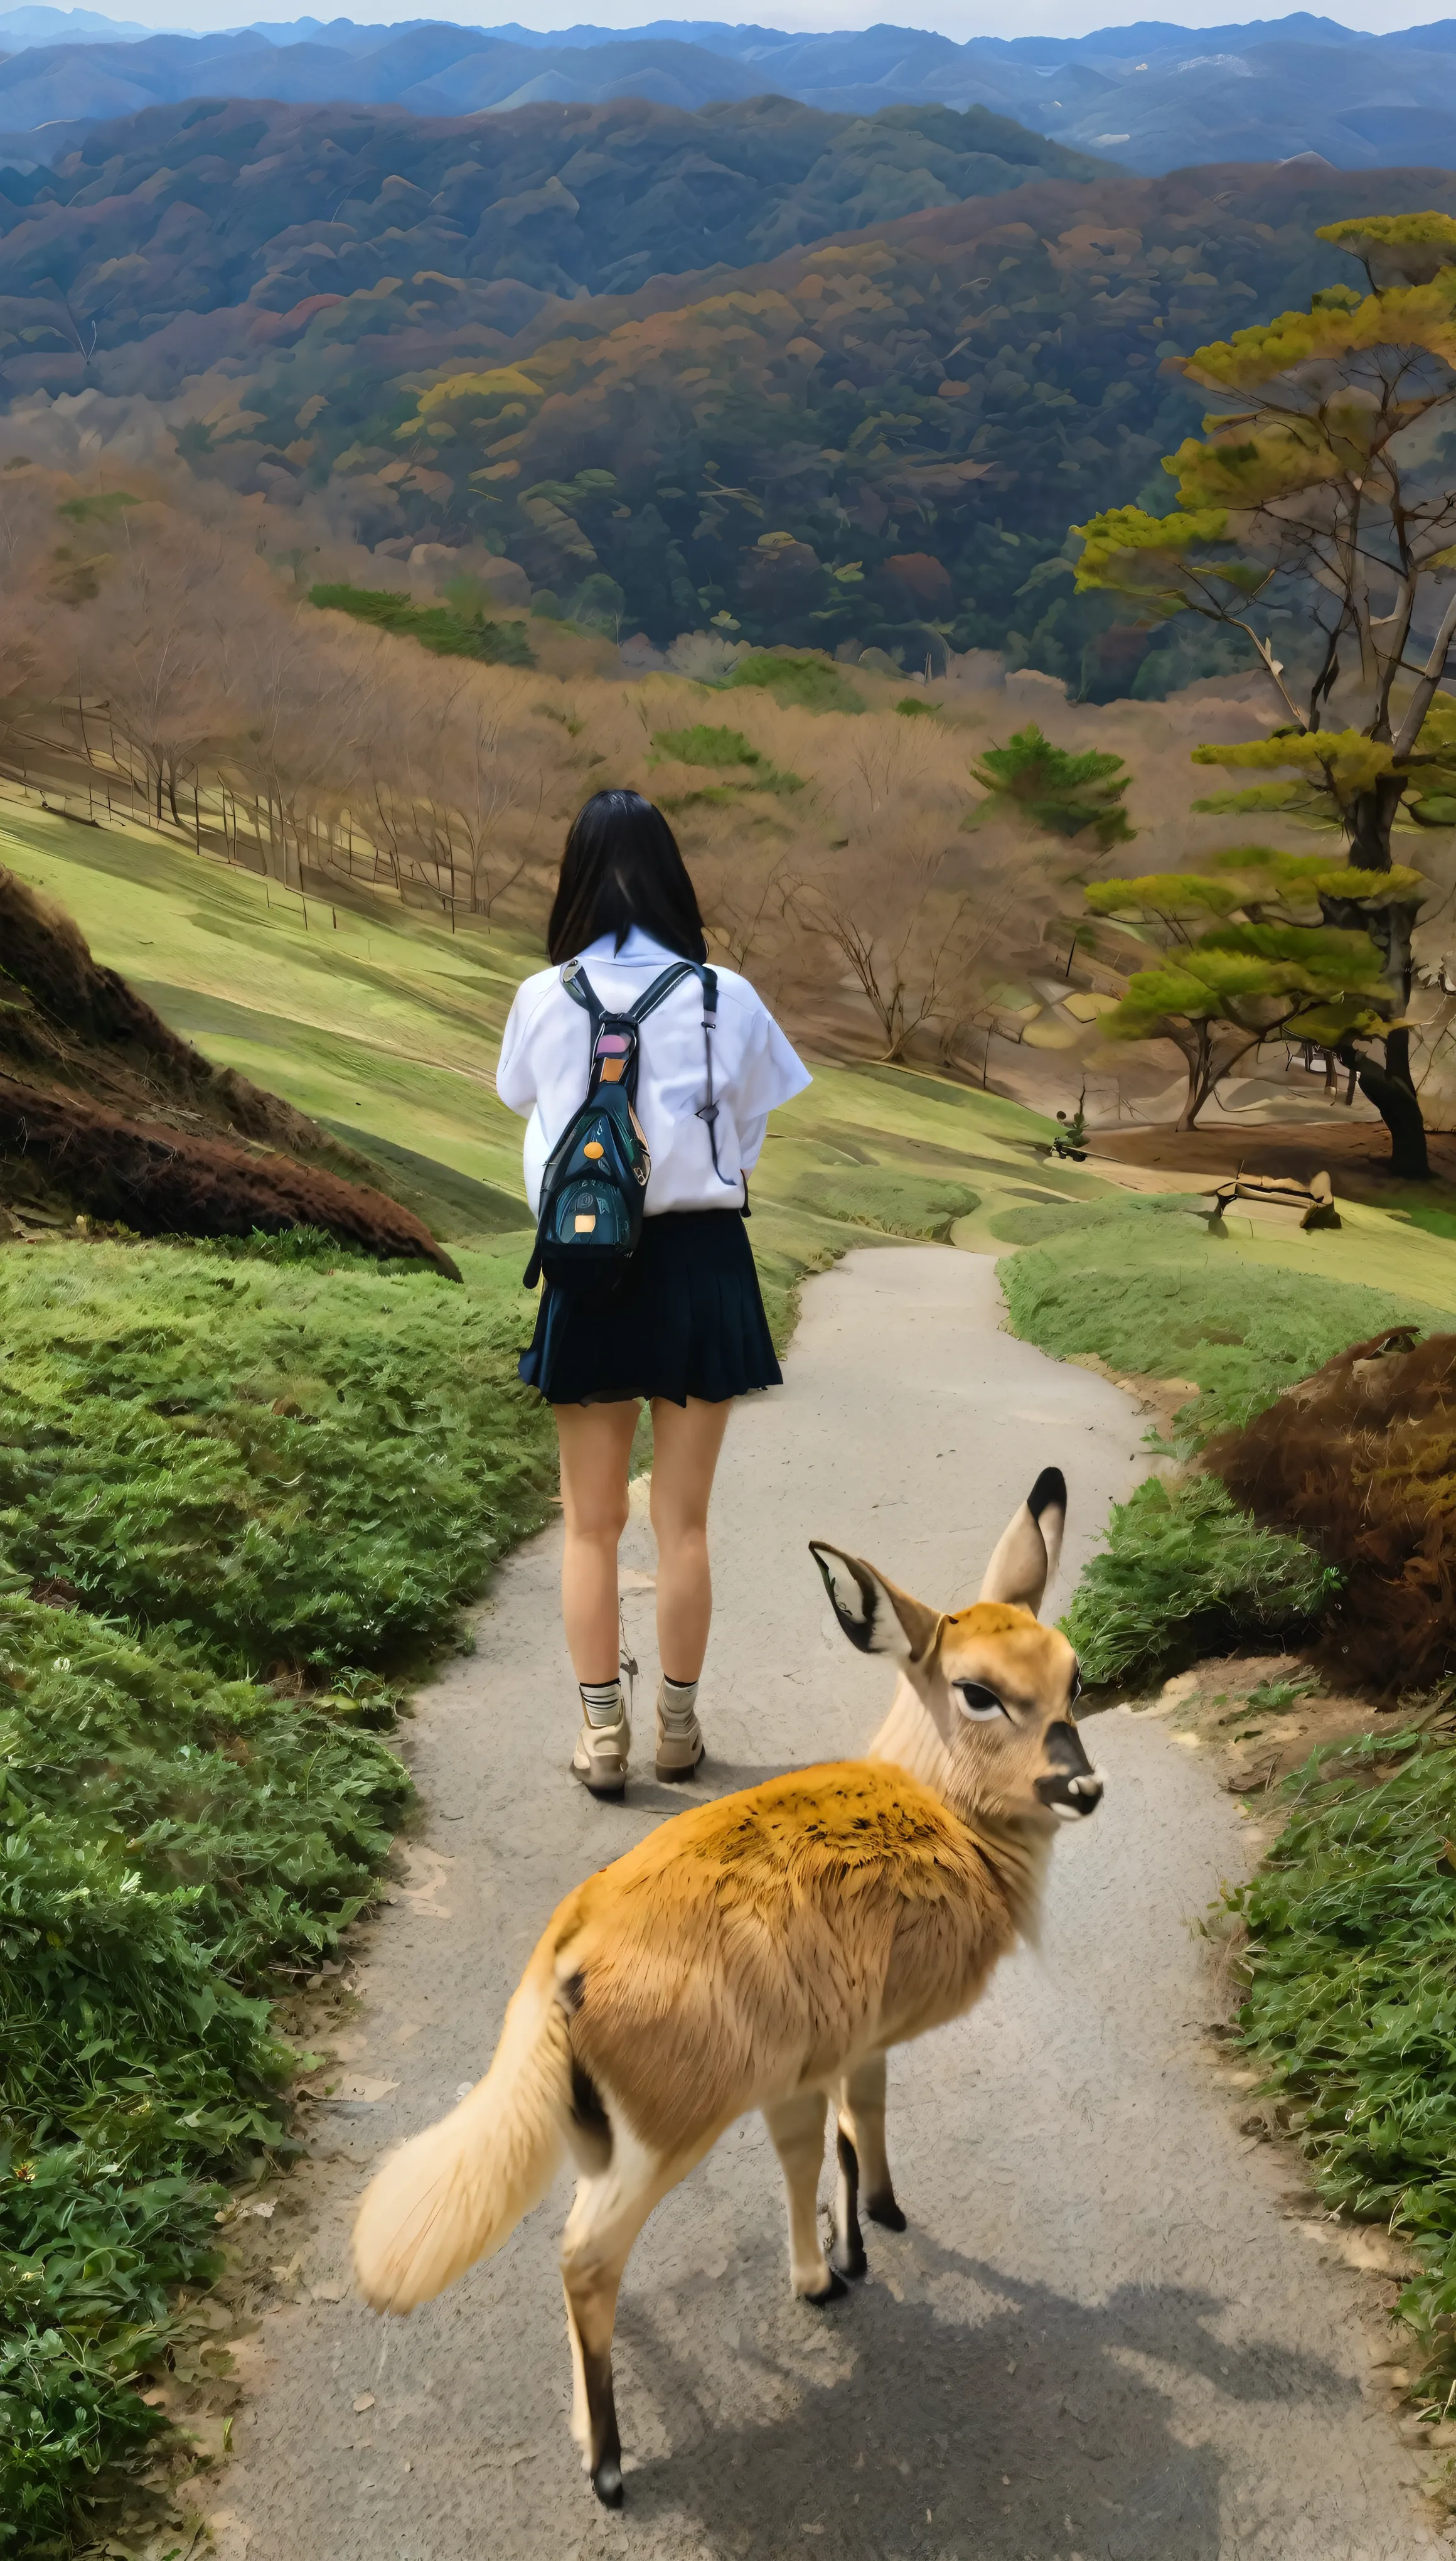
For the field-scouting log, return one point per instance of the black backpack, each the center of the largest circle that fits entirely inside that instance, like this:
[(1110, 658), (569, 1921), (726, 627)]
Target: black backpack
[(596, 1178)]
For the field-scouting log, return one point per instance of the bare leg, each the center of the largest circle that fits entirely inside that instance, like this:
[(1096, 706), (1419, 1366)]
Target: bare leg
[(797, 2127), (596, 1449), (861, 2109), (686, 1440)]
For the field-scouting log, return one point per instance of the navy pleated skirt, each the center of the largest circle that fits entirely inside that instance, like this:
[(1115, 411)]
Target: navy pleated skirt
[(685, 1319)]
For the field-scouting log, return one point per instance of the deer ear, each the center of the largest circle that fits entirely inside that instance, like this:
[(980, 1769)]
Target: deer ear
[(1027, 1552), (876, 1616)]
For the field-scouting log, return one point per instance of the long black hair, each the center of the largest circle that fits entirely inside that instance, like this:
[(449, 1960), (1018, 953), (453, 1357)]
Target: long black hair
[(622, 867)]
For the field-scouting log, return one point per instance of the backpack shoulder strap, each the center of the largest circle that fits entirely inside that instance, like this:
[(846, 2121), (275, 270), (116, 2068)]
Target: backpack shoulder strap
[(582, 992), (661, 987)]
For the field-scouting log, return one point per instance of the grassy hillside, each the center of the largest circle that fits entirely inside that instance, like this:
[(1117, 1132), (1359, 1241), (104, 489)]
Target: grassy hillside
[(384, 1026)]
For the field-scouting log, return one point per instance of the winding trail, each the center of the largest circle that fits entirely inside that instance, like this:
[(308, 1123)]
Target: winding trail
[(1105, 2337)]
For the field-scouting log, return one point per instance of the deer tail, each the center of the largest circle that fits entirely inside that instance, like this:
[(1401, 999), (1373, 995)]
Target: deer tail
[(454, 2193)]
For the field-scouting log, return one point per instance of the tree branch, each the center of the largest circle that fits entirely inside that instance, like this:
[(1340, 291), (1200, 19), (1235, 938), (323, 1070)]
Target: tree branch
[(1424, 694)]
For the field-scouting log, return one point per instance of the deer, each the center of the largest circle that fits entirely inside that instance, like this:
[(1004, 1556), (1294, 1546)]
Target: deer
[(765, 1949)]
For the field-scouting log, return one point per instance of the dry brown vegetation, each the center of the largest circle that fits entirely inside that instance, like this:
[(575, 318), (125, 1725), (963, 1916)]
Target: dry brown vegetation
[(1361, 1459), (160, 664)]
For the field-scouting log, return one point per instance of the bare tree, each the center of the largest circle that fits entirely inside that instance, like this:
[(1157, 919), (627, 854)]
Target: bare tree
[(914, 932)]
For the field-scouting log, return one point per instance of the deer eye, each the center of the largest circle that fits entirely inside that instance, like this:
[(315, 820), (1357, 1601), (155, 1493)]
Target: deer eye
[(979, 1702)]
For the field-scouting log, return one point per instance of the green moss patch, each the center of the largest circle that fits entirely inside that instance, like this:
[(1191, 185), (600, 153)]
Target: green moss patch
[(167, 1838)]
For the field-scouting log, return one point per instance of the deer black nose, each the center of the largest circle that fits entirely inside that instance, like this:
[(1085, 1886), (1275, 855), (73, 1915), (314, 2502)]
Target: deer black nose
[(1070, 1785)]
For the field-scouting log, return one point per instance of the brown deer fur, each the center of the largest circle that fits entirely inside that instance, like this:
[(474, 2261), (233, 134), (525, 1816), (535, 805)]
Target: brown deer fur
[(762, 1952)]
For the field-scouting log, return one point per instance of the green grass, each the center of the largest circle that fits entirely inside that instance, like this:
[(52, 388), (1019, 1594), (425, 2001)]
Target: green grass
[(1140, 1284), (1350, 2005), (896, 1204), (310, 1467), (382, 1024), (719, 751), (444, 630)]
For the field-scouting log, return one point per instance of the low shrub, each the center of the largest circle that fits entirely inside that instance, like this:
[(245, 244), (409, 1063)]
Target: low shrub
[(721, 751), (445, 629), (1351, 2003), (166, 1837), (813, 684), (280, 1453), (1185, 1573), (304, 1466)]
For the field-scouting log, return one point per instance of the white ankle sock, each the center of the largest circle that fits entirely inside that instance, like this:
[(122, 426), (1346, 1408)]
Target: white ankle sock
[(677, 1699), (601, 1701)]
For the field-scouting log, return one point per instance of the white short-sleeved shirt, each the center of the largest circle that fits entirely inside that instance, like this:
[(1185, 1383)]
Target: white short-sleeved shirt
[(546, 1063)]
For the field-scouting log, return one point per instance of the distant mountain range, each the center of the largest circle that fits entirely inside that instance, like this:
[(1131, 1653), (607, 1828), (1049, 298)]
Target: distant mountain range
[(1148, 96)]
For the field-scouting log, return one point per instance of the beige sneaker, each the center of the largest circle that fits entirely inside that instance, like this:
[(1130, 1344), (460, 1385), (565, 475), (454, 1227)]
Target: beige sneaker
[(679, 1734), (600, 1757)]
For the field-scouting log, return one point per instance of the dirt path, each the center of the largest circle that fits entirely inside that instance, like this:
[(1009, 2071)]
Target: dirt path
[(1101, 2337)]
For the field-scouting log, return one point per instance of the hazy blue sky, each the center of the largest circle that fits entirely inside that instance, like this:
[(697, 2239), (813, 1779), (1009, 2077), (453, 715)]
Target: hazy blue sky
[(956, 18)]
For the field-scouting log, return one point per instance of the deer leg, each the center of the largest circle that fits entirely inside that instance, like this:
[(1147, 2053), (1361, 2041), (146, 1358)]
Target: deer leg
[(796, 2127), (847, 2250), (862, 2126), (603, 2223)]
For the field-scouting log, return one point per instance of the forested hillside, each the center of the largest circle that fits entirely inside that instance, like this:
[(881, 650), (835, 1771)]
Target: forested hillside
[(191, 207), (880, 440), (869, 423)]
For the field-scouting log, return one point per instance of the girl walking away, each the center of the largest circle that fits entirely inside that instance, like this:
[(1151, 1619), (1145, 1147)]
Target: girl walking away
[(648, 1079)]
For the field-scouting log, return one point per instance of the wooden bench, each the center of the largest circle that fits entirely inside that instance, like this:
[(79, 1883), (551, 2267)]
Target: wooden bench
[(1312, 1203)]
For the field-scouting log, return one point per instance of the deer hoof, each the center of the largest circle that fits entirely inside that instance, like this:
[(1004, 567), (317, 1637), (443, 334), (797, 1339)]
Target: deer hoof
[(606, 2480), (883, 2211), (829, 2294)]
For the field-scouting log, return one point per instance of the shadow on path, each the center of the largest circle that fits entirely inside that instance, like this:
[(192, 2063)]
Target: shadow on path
[(987, 2415)]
